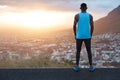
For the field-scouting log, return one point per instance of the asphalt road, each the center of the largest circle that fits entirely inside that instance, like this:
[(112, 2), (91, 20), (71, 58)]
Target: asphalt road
[(59, 74)]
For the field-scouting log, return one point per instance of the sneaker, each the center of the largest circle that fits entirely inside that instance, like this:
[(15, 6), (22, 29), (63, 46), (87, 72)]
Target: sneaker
[(91, 69), (76, 68)]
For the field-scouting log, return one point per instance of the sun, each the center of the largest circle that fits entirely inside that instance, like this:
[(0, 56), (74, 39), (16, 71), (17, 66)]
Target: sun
[(36, 19)]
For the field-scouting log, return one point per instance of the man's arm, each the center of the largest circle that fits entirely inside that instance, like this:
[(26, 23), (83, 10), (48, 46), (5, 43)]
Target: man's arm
[(76, 18), (91, 24)]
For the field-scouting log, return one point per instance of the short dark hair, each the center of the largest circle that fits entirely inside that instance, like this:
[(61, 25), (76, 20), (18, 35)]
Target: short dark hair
[(83, 5)]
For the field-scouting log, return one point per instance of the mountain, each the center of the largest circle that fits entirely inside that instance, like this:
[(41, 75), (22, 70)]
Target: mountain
[(109, 23)]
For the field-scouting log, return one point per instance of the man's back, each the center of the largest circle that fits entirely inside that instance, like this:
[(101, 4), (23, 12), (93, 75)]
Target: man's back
[(83, 31)]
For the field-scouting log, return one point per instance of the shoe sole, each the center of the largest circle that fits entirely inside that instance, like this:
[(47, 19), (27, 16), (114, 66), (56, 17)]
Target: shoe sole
[(76, 70), (92, 70)]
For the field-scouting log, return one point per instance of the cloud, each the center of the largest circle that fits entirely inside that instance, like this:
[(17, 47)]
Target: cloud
[(66, 5), (100, 7)]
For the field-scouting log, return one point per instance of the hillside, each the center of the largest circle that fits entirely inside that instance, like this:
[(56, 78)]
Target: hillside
[(109, 23)]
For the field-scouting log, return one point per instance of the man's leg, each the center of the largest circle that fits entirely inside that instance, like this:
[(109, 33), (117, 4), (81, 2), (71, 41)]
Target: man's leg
[(78, 50), (88, 48)]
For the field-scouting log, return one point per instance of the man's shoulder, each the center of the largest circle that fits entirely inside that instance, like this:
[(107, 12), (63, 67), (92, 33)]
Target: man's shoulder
[(89, 13), (77, 15)]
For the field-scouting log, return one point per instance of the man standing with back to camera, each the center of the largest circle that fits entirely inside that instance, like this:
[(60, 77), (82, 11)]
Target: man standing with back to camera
[(83, 33)]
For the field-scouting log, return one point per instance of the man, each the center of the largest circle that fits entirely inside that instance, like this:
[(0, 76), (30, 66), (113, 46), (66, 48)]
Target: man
[(83, 33)]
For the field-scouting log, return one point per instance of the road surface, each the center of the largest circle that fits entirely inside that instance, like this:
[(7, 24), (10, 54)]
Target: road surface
[(59, 74)]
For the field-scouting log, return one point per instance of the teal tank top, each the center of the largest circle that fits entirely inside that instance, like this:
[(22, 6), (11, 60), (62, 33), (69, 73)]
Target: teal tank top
[(83, 29)]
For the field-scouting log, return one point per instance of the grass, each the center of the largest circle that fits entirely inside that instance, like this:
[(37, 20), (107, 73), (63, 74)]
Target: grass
[(34, 62), (116, 64)]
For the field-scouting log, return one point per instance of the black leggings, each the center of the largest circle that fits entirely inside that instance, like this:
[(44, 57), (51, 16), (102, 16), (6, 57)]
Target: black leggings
[(88, 47)]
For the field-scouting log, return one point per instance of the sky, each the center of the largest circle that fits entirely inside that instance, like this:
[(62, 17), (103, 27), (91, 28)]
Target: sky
[(48, 13)]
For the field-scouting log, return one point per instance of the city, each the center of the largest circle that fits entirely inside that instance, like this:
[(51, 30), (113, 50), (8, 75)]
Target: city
[(61, 47)]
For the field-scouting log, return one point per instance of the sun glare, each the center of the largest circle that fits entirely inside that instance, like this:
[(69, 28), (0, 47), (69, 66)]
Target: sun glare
[(40, 19), (35, 19)]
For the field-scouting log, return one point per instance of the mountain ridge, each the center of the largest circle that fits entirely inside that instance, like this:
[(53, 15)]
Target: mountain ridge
[(109, 23)]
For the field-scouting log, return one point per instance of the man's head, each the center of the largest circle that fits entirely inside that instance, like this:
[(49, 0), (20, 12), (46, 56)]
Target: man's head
[(83, 7)]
